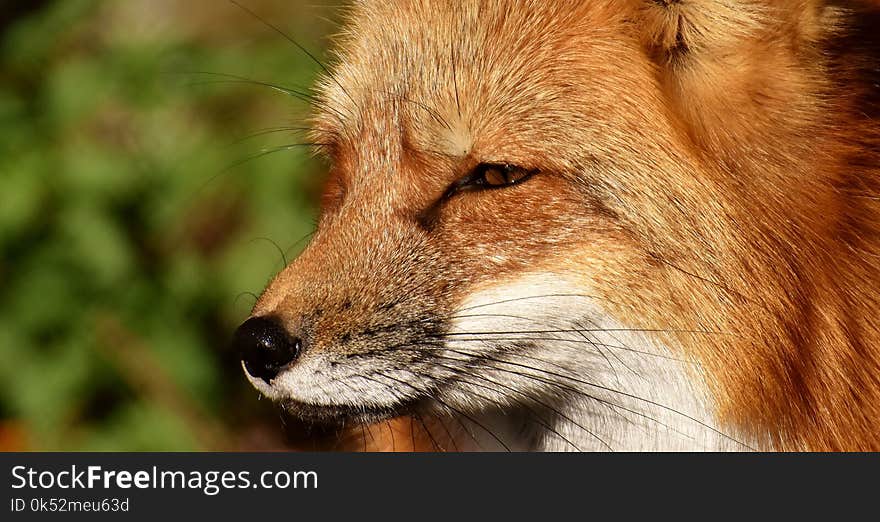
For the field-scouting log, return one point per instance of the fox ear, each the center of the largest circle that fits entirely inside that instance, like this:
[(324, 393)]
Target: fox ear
[(671, 29), (738, 73)]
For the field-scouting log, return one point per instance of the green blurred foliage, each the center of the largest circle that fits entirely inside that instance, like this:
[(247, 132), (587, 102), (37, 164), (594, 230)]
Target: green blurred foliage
[(133, 225)]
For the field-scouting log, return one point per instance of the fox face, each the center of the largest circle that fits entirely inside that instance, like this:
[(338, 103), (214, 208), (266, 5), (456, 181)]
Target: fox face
[(587, 225)]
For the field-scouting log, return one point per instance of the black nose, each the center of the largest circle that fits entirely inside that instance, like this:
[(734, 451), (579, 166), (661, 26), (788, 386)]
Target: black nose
[(265, 347)]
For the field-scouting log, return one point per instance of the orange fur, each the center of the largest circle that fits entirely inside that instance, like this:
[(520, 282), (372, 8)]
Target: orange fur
[(709, 166)]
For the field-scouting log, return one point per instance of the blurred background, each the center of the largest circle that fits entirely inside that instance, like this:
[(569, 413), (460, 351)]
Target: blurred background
[(143, 206)]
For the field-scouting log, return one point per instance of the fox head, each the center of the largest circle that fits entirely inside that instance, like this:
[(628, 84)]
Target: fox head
[(618, 224)]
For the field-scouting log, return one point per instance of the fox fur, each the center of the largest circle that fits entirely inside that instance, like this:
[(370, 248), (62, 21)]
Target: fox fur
[(706, 187)]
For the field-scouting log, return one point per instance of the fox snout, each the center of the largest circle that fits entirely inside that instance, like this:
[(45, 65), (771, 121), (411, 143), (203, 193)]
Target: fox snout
[(350, 316), (265, 347)]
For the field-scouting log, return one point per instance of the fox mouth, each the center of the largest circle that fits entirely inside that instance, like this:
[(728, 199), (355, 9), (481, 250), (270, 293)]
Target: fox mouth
[(341, 414), (337, 416)]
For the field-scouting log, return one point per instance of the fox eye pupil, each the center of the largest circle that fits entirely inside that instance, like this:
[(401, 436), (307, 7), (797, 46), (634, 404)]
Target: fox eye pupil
[(497, 176)]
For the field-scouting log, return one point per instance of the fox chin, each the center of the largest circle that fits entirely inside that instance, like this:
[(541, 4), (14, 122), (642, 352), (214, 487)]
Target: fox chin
[(596, 225)]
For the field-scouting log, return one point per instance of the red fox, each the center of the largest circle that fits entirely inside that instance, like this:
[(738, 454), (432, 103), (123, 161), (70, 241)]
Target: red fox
[(590, 225)]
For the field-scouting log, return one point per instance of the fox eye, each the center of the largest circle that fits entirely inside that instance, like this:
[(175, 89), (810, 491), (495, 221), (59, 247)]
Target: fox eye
[(492, 175), (484, 176)]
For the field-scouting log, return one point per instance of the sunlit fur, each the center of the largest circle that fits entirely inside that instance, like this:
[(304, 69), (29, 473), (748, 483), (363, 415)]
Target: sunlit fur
[(708, 177)]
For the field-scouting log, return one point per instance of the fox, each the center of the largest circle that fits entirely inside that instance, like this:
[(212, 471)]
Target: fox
[(589, 225)]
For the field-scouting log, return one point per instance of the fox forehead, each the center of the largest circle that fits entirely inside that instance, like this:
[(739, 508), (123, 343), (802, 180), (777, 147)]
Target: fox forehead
[(454, 79)]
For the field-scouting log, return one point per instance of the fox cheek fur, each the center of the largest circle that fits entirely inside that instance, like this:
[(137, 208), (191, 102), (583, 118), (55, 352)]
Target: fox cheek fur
[(688, 262)]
